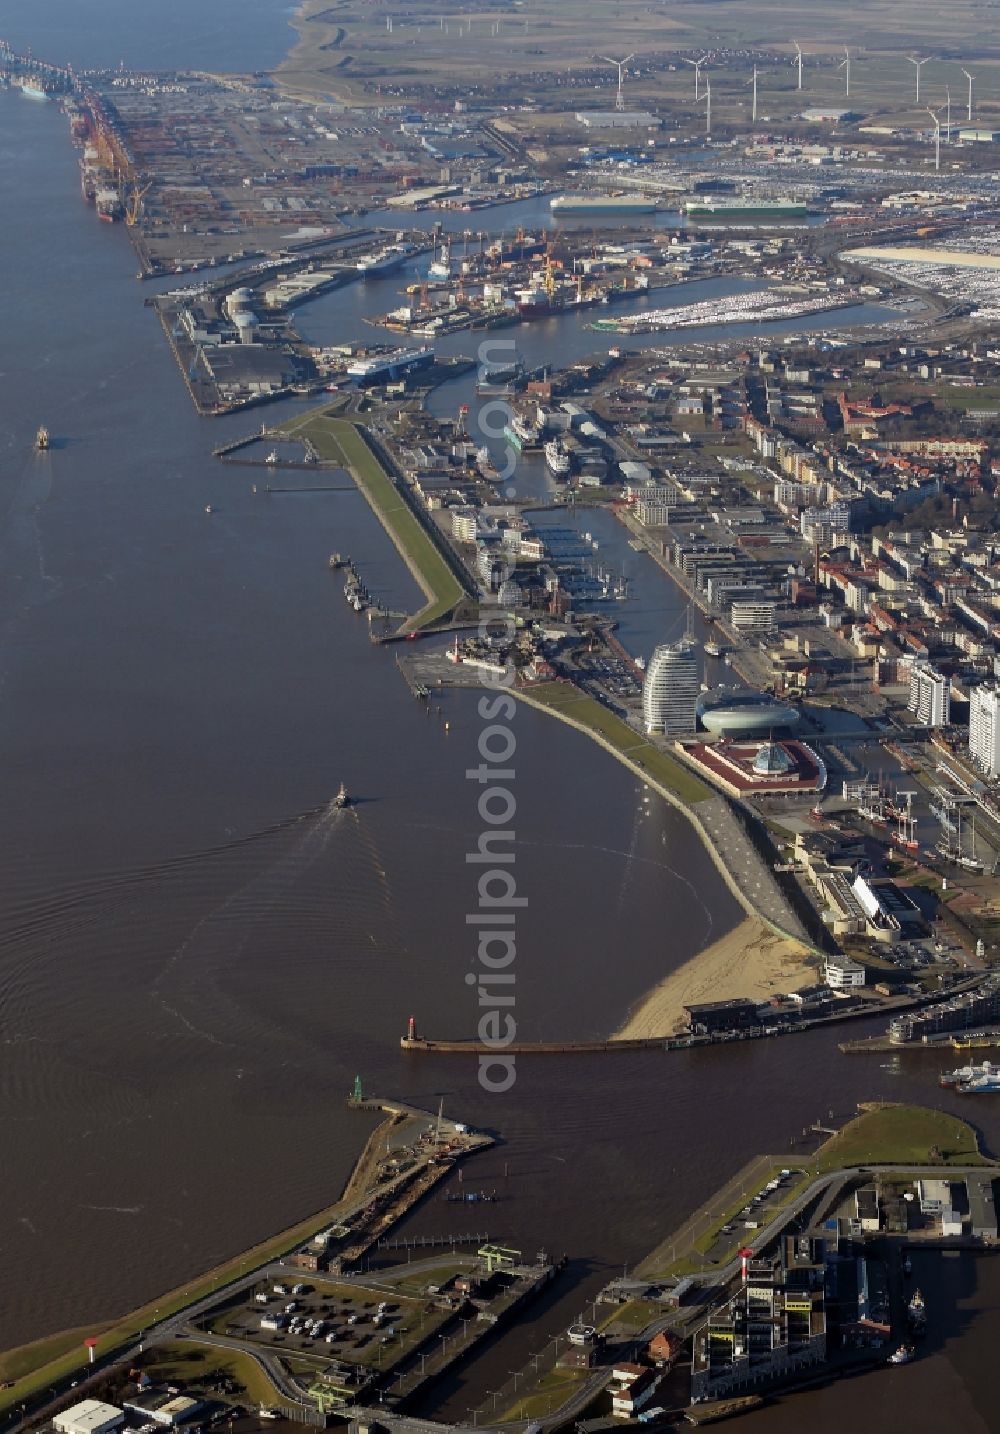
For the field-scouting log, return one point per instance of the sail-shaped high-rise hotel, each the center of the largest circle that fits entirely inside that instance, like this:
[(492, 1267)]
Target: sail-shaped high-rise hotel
[(670, 691)]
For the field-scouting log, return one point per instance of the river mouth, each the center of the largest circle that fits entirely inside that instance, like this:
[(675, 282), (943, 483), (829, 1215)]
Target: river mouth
[(195, 958)]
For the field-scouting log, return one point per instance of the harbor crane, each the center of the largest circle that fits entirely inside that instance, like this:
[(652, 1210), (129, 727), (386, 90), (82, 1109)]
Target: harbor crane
[(134, 207)]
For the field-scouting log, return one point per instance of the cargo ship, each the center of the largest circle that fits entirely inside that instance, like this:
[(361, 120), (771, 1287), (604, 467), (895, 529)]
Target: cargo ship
[(557, 459), (33, 89), (744, 209), (537, 304), (521, 432), (109, 205), (383, 368), (373, 265), (602, 204)]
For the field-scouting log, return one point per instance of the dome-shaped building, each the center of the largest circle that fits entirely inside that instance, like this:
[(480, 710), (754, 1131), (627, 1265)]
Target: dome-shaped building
[(730, 712)]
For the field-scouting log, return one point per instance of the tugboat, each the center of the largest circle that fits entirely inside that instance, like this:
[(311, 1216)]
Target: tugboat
[(42, 439), (341, 800)]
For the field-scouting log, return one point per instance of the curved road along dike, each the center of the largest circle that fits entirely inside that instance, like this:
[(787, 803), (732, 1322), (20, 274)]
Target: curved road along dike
[(739, 864)]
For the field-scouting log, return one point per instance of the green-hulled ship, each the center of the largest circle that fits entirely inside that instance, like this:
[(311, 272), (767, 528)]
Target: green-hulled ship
[(736, 209)]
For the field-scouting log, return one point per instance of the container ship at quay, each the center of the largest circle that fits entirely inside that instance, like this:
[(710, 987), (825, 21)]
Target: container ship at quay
[(109, 205), (736, 209), (34, 89)]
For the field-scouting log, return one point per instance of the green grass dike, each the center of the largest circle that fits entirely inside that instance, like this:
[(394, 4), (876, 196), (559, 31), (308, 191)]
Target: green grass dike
[(339, 440), (901, 1135), (32, 1369)]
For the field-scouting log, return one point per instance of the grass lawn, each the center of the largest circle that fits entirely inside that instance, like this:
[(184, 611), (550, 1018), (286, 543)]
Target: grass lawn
[(902, 1135), (338, 441), (661, 766), (551, 1391), (416, 1284), (634, 1315), (197, 1367), (16, 1363)]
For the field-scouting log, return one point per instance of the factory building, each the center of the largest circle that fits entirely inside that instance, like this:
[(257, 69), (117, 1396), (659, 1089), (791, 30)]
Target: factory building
[(617, 119), (90, 1416)]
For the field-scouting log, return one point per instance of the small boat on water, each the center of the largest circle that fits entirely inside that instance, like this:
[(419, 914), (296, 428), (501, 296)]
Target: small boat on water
[(902, 1355), (916, 1312), (964, 1074), (272, 457), (209, 508), (42, 439), (341, 800)]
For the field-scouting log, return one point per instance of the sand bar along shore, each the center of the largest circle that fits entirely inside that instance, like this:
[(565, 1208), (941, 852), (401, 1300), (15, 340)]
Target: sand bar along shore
[(750, 961)]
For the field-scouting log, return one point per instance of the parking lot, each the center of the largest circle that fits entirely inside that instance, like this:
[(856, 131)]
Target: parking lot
[(316, 1321)]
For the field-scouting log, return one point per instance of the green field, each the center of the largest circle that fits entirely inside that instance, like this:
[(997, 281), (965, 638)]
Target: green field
[(552, 1390), (563, 697), (902, 1135), (338, 441), (346, 49), (197, 1368)]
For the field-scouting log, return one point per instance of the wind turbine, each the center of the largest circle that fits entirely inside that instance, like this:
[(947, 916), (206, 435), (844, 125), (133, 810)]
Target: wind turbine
[(753, 112), (937, 139), (798, 60), (947, 123), (919, 64), (845, 65), (707, 97), (620, 101), (970, 79), (697, 73)]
